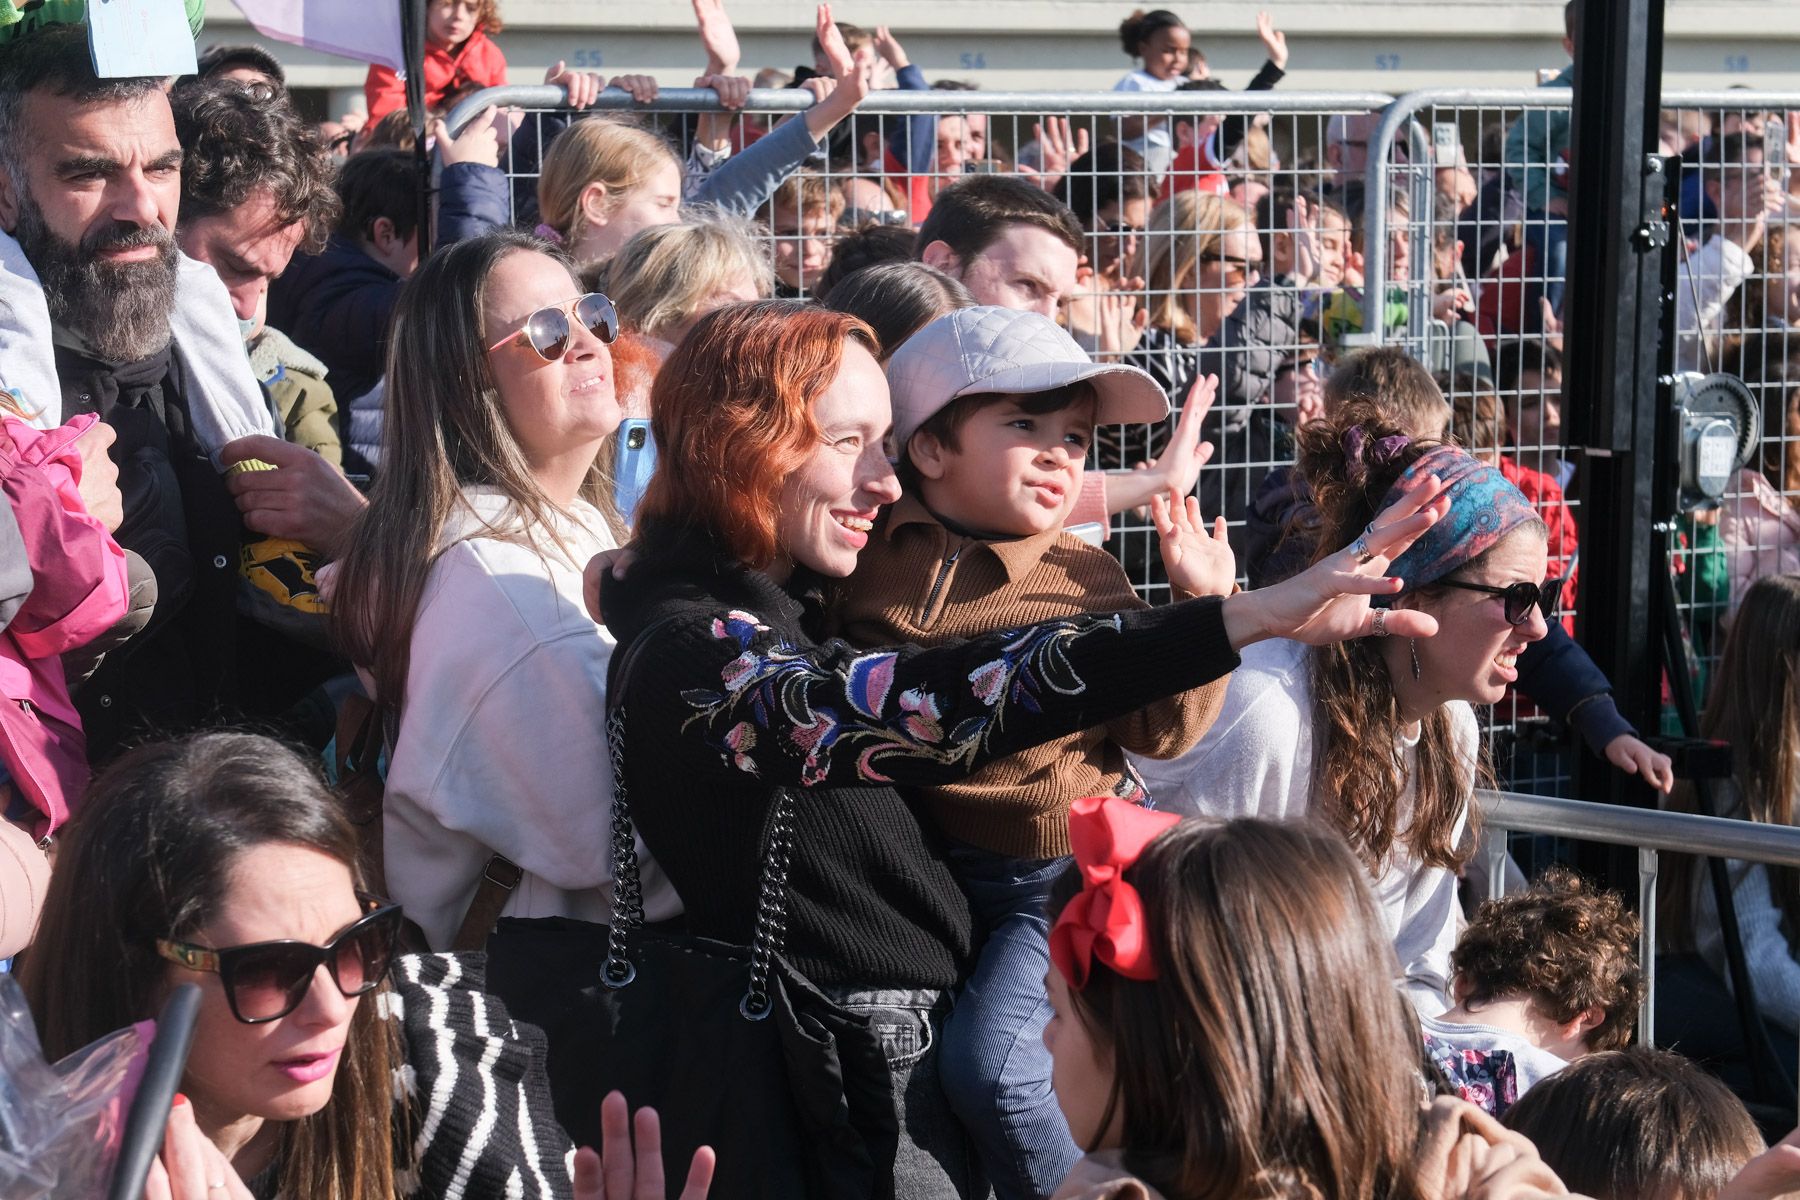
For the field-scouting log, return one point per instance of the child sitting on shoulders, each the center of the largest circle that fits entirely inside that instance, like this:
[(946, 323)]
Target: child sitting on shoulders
[(460, 55), (1541, 978), (994, 415)]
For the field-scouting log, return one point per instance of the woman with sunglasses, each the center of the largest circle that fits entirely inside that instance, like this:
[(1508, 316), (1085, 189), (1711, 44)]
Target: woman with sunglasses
[(1378, 736), (222, 860), (460, 596)]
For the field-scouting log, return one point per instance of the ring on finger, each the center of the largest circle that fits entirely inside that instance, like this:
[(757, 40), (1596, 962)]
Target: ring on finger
[(1379, 628), (1360, 548)]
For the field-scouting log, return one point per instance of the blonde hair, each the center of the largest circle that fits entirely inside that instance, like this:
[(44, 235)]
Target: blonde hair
[(661, 277), (615, 153), (1185, 228)]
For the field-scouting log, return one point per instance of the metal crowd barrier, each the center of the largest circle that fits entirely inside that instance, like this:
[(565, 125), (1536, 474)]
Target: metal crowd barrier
[(1649, 831), (1450, 136)]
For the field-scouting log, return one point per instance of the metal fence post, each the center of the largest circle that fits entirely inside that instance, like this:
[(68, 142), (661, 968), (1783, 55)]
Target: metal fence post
[(1647, 866)]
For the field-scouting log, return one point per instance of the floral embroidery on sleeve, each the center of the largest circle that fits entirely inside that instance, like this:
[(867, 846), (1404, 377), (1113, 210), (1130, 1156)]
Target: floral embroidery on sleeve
[(858, 713)]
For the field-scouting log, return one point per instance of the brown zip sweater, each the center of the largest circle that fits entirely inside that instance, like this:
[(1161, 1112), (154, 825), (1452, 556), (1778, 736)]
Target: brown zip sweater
[(918, 581)]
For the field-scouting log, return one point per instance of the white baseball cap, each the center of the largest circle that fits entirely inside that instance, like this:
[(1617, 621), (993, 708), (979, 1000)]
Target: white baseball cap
[(983, 350)]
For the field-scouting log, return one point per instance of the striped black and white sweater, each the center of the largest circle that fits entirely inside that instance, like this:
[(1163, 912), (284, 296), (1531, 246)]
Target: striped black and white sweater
[(471, 1088)]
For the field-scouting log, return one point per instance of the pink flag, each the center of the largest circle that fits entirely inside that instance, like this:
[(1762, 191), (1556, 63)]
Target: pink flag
[(350, 28)]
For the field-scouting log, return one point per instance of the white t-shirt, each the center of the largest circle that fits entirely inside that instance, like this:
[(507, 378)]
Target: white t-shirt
[(502, 741), (1155, 140), (1257, 761)]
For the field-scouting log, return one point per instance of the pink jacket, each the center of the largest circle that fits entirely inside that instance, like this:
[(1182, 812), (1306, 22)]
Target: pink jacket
[(78, 592)]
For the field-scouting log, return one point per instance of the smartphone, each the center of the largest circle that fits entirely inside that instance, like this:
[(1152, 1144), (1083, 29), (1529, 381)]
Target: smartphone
[(1775, 147), (982, 166), (148, 1114), (634, 461)]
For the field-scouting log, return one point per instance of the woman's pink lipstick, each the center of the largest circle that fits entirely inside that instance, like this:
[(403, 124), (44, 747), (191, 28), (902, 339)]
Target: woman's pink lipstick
[(308, 1068)]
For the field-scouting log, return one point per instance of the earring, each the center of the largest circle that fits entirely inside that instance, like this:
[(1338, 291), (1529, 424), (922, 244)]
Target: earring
[(1415, 656)]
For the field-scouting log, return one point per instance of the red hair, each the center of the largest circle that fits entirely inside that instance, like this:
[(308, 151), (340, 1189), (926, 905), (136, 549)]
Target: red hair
[(732, 413)]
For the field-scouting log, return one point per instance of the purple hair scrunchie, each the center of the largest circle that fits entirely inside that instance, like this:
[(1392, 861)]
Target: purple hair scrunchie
[(1484, 507), (548, 233)]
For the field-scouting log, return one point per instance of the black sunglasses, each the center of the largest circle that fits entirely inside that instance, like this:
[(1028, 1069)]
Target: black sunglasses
[(1521, 598), (267, 980), (547, 330)]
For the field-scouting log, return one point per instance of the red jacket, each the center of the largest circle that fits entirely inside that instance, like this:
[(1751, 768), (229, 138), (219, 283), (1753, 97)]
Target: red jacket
[(477, 61), (78, 591), (1546, 495)]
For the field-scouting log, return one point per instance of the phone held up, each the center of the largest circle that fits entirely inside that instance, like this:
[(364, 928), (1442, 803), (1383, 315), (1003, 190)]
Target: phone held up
[(634, 461)]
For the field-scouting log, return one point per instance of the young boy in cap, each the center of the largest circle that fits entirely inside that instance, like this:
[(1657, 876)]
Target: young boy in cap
[(994, 413)]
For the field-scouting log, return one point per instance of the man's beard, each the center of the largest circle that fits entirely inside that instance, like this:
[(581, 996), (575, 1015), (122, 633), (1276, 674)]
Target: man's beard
[(120, 309)]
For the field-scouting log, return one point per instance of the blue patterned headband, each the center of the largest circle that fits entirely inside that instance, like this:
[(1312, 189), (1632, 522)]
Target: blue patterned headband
[(1484, 507)]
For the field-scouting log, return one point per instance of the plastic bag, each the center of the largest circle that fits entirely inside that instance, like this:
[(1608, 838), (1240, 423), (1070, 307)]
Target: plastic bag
[(61, 1124)]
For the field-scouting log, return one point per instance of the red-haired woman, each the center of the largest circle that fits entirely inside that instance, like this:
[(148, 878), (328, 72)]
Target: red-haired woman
[(771, 421)]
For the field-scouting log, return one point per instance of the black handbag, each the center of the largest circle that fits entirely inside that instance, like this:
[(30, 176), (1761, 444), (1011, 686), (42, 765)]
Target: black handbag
[(733, 1047)]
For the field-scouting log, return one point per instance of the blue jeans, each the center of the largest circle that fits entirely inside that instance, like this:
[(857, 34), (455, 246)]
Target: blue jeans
[(996, 1070), (933, 1160)]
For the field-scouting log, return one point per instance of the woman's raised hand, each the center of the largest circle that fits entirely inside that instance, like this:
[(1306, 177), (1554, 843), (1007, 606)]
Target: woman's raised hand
[(1329, 601), (631, 1168)]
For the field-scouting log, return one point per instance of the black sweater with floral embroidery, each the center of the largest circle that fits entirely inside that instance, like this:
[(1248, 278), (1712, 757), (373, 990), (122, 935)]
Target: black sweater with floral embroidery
[(733, 697)]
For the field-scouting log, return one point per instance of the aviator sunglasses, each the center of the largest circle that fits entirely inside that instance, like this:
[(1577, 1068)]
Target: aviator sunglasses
[(547, 330), (266, 981), (1520, 598)]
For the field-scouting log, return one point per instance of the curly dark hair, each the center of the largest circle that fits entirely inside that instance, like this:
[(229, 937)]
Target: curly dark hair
[(235, 143), (1562, 942)]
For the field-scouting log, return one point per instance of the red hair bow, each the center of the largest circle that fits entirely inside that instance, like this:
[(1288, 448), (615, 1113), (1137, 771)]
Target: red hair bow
[(1106, 921)]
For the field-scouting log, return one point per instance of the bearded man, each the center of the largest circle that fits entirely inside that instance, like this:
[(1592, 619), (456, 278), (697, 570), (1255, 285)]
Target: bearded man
[(90, 185)]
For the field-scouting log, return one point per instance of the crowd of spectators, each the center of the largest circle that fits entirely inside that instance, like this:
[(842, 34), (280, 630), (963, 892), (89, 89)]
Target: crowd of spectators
[(954, 728)]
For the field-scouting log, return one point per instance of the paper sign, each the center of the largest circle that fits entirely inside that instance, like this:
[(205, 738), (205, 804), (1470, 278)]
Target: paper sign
[(140, 37)]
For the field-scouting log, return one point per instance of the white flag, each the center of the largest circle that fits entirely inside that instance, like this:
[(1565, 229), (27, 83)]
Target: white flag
[(350, 28)]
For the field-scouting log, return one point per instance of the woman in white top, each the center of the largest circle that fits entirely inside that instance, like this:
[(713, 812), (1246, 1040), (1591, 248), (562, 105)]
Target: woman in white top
[(460, 596), (1378, 736)]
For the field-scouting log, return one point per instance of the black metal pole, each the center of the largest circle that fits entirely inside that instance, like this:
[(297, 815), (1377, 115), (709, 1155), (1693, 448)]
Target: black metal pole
[(1616, 353), (412, 36)]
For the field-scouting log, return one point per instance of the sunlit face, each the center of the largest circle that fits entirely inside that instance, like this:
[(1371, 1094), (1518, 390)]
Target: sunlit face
[(1081, 1072), (1165, 52), (1334, 248), (95, 169), (450, 23), (802, 244), (1299, 392), (556, 410), (655, 201), (1474, 654), (1010, 473), (1220, 281), (284, 1069), (961, 140), (1781, 289), (1026, 268), (829, 504), (1399, 246), (1537, 419), (248, 246)]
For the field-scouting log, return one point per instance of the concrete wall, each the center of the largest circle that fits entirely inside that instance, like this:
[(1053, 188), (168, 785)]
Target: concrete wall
[(1386, 45)]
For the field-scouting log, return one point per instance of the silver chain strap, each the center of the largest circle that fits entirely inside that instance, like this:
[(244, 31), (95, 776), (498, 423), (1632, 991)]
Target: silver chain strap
[(770, 933), (628, 896)]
